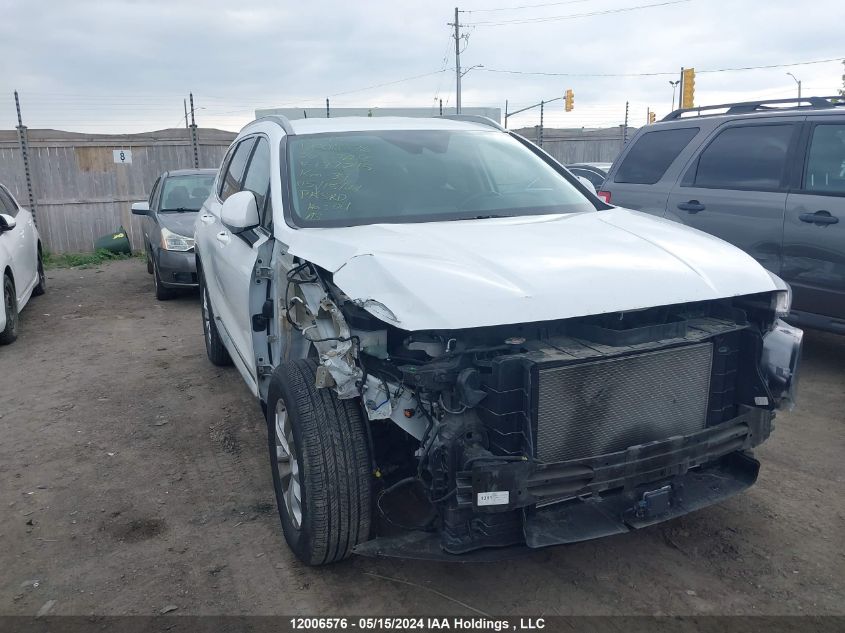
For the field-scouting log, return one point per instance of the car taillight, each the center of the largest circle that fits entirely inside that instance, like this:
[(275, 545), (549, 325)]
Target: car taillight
[(605, 196)]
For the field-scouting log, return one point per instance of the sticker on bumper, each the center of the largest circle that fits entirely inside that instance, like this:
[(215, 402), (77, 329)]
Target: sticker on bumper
[(497, 498)]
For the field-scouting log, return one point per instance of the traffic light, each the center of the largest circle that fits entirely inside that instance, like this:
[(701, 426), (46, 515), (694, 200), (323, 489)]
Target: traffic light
[(651, 117), (687, 87), (569, 99)]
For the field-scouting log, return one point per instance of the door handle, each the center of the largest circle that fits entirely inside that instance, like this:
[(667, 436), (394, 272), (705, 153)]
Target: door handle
[(819, 218), (223, 237), (207, 218), (693, 206)]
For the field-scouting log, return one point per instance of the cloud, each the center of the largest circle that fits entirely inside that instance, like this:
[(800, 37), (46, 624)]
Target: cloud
[(126, 65)]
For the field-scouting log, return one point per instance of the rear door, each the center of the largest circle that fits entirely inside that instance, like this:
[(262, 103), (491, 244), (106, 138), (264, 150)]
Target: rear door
[(814, 231), (735, 187), (649, 167)]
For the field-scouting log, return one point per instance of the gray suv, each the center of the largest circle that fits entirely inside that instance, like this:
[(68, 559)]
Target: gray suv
[(767, 176)]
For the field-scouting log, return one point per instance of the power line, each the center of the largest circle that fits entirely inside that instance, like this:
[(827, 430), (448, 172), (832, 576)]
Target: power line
[(656, 74), (572, 16), (525, 6)]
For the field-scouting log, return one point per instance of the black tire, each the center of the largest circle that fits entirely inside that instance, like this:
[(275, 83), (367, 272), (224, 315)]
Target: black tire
[(41, 288), (10, 305), (217, 352), (162, 293), (332, 459)]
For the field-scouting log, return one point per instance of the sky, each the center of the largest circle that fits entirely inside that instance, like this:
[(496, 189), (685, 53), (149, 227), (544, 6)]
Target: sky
[(126, 65)]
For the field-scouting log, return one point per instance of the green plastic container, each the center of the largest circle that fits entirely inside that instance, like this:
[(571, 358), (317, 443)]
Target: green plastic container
[(117, 242)]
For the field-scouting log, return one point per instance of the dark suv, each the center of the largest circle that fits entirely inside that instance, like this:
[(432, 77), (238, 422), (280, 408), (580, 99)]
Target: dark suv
[(767, 176)]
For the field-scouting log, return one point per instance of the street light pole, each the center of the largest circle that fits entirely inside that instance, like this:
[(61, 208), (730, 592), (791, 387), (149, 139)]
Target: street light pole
[(798, 81), (674, 85)]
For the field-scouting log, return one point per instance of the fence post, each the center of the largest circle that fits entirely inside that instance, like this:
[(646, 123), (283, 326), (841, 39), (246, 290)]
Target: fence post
[(625, 127), (23, 141), (194, 141), (540, 135)]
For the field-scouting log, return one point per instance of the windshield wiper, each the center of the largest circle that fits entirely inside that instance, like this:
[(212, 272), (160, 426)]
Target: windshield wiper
[(176, 210)]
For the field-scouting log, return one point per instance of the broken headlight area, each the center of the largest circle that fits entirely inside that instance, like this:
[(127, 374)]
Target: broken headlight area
[(555, 432)]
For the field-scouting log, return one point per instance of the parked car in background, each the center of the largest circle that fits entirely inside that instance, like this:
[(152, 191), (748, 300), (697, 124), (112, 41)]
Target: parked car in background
[(457, 346), (594, 172), (168, 226), (21, 263), (767, 176)]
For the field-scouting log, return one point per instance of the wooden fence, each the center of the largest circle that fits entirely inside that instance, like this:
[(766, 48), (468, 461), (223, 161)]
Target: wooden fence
[(83, 191), (571, 146)]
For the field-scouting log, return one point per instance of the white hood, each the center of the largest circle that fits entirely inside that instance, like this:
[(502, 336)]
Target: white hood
[(472, 273)]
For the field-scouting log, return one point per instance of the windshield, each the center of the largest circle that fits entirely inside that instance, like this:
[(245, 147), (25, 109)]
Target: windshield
[(185, 193), (421, 176)]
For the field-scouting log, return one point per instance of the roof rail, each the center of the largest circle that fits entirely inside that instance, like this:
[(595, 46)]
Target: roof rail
[(749, 107), (474, 118), (278, 119)]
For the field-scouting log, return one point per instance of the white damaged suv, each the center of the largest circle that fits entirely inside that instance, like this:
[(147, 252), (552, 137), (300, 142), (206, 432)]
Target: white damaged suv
[(458, 347)]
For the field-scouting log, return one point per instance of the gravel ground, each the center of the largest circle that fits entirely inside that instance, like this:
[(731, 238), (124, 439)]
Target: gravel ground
[(133, 479)]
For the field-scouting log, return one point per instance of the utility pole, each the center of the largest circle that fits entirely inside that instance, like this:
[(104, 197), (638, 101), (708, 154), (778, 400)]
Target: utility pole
[(506, 114), (441, 107), (24, 144), (457, 63), (194, 141), (185, 106), (328, 113)]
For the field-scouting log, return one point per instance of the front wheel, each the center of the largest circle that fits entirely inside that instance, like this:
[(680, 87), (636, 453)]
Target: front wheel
[(320, 465), (10, 305), (162, 293)]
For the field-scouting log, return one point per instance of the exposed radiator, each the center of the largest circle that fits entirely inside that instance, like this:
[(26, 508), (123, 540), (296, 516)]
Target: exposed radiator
[(599, 407)]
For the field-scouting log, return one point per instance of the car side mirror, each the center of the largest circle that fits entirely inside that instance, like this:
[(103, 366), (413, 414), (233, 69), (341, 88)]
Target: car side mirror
[(140, 208), (239, 212), (587, 184), (7, 222)]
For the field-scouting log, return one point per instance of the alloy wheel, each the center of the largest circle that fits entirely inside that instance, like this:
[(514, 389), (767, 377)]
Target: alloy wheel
[(287, 465)]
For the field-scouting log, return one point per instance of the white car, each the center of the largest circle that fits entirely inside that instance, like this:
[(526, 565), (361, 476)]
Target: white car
[(20, 263), (458, 347)]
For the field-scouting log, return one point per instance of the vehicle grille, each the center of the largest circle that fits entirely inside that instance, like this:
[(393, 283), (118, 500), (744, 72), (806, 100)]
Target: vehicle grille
[(594, 408)]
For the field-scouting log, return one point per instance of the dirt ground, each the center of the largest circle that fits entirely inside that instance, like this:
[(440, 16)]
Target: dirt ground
[(134, 479)]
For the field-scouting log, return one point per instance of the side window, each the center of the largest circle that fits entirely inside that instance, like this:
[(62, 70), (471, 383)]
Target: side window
[(153, 192), (257, 179), (7, 204), (231, 181), (651, 155), (825, 172), (745, 157)]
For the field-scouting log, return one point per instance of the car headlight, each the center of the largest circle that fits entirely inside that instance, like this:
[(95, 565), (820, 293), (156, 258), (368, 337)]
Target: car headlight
[(782, 297), (171, 241)]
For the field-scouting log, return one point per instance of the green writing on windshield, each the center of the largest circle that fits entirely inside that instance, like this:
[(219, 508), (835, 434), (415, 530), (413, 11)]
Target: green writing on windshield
[(328, 174)]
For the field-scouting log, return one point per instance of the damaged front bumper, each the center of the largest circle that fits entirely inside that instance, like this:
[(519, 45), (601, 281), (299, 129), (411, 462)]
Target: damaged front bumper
[(527, 505)]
